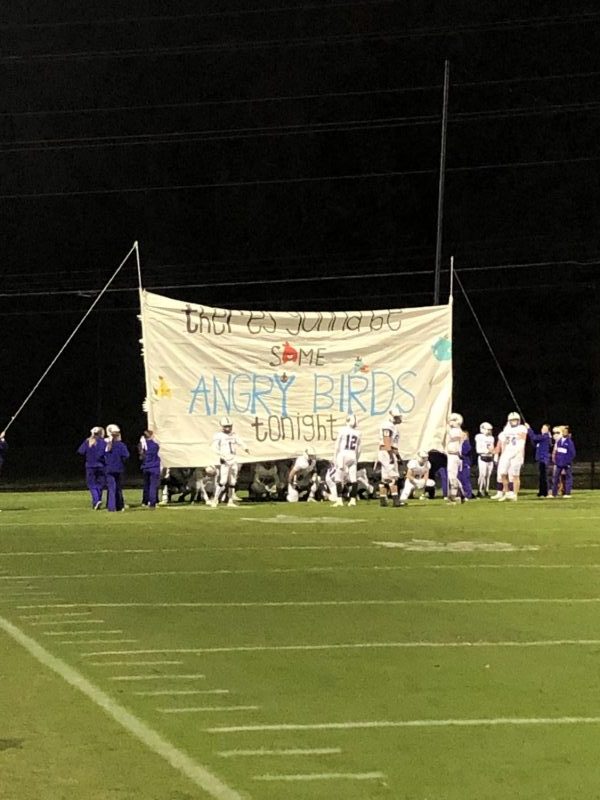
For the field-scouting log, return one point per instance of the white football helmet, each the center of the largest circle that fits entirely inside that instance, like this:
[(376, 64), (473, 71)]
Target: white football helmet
[(226, 424), (557, 432), (422, 456), (97, 431), (514, 418), (351, 420), (310, 454), (395, 414), (210, 471), (485, 428), (455, 420), (112, 429)]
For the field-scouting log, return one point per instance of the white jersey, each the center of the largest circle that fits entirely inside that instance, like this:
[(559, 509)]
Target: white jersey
[(225, 445), (418, 470), (347, 443), (484, 444), (454, 440), (388, 429), (513, 439)]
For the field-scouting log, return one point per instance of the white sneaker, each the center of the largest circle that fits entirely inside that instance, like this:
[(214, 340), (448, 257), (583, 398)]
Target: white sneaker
[(511, 496), (499, 496), (352, 501), (502, 498), (566, 496), (339, 502), (231, 503)]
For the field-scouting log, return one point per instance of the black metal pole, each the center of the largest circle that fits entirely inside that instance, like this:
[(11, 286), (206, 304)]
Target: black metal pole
[(440, 215)]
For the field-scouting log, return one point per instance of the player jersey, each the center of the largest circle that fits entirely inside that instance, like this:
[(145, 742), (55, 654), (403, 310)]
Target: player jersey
[(418, 470), (454, 438), (389, 429), (348, 441), (513, 438), (484, 444), (225, 445)]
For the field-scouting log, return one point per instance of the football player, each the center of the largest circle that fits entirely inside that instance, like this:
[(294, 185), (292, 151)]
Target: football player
[(417, 476), (347, 451), (300, 478), (511, 447), (225, 445), (454, 440), (484, 447), (389, 441)]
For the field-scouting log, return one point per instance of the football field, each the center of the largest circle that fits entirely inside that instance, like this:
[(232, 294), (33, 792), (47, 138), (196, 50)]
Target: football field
[(299, 651)]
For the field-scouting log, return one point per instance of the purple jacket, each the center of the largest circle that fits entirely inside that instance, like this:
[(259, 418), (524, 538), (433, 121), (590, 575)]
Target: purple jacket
[(94, 454), (3, 449), (542, 445), (115, 458), (564, 452), (150, 457)]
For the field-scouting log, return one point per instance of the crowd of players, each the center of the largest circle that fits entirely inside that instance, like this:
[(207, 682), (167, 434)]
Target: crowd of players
[(345, 478)]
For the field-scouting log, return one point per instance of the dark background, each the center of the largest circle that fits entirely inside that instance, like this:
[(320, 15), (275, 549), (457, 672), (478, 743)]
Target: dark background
[(287, 156)]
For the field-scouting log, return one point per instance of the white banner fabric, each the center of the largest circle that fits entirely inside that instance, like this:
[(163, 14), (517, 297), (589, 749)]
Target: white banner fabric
[(287, 380)]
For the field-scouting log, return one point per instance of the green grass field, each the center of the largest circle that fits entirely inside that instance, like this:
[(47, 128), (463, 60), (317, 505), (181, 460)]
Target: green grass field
[(299, 651)]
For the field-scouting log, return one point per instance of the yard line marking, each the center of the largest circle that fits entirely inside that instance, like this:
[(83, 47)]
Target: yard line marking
[(178, 759), (94, 641), (161, 550), (323, 776), (156, 677), (68, 622), (349, 646), (193, 709), (302, 570), (292, 751), (130, 663), (471, 601), (55, 614), (181, 692), (408, 723), (79, 633)]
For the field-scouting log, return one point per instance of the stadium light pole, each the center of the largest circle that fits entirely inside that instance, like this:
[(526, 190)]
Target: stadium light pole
[(440, 213)]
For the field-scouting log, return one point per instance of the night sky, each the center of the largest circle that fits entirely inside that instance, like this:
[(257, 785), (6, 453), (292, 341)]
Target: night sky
[(244, 144)]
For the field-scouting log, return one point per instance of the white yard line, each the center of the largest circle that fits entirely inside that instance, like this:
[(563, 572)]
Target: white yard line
[(131, 663), (80, 633), (261, 648), (292, 751), (323, 776), (49, 623), (194, 709), (167, 692), (56, 614), (459, 601), (156, 677), (178, 759), (94, 641), (299, 570), (408, 723)]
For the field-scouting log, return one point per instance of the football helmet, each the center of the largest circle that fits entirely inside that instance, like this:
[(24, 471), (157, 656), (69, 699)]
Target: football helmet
[(112, 429), (485, 428), (97, 430), (226, 424), (422, 456), (455, 420), (514, 418), (351, 420), (395, 414), (210, 471), (310, 454)]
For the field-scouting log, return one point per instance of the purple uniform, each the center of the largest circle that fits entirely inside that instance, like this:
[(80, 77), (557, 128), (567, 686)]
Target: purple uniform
[(93, 450), (464, 472), (563, 455), (115, 456), (151, 472), (542, 442)]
